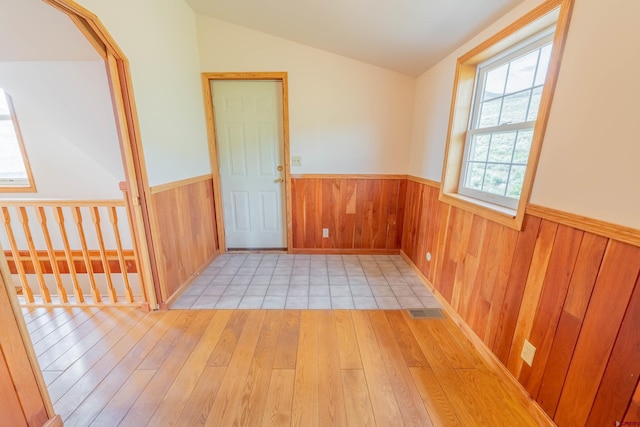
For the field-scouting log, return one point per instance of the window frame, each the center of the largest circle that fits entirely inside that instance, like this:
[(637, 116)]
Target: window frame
[(5, 184), (546, 15)]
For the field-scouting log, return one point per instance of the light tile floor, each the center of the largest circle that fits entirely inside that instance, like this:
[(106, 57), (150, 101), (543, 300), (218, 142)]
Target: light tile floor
[(273, 281)]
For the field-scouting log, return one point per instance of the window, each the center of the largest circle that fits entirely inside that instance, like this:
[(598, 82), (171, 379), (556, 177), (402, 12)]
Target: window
[(501, 101), (506, 103), (15, 174)]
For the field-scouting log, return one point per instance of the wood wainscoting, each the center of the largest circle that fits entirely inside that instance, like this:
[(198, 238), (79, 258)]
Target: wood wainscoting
[(363, 213), (574, 294), (184, 232)]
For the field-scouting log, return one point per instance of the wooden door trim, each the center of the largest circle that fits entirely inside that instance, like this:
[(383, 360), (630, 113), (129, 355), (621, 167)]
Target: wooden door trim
[(281, 76), (126, 116), (28, 373)]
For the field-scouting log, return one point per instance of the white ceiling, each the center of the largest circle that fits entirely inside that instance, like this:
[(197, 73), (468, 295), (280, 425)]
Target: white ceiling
[(31, 30), (408, 36)]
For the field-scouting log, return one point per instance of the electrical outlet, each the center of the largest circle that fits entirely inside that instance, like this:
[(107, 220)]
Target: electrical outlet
[(528, 352), (428, 256), (325, 232), (296, 161)]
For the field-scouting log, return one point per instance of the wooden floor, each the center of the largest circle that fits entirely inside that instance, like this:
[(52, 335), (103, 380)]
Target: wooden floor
[(119, 366)]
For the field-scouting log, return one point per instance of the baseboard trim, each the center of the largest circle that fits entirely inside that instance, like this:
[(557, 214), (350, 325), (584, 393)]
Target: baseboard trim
[(346, 251), (485, 352)]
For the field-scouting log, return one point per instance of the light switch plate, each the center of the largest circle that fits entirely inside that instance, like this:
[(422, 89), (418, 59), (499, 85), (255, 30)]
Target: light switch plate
[(296, 161)]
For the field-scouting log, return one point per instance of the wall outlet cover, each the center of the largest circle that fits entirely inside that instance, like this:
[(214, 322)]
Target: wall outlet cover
[(528, 352), (325, 232)]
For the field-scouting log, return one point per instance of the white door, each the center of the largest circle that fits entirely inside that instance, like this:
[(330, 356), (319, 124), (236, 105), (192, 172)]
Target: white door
[(249, 134)]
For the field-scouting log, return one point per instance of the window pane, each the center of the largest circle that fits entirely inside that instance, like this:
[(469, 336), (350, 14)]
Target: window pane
[(523, 146), (502, 147), (494, 82), (495, 179), (490, 113), (479, 147), (514, 108), (475, 176), (534, 106), (545, 56), (516, 178), (11, 164), (521, 72)]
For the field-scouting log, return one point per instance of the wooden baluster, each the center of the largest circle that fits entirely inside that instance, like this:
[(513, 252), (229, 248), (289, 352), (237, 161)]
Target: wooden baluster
[(42, 218), (95, 215), (77, 217), (124, 187), (16, 255), (113, 216), (44, 290), (77, 290)]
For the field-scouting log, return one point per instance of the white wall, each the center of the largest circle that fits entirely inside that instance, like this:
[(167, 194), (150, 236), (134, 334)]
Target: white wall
[(159, 39), (588, 164), (345, 116), (65, 115)]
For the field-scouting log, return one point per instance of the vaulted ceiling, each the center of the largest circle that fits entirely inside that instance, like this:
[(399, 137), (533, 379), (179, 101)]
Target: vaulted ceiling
[(408, 36)]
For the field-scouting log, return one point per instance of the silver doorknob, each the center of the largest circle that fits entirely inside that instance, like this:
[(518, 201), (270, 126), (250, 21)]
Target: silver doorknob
[(279, 180)]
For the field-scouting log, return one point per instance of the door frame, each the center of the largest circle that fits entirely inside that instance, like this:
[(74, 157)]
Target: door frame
[(280, 76), (136, 188)]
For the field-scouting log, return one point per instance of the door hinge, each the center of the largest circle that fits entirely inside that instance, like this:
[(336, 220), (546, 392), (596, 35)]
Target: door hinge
[(136, 201)]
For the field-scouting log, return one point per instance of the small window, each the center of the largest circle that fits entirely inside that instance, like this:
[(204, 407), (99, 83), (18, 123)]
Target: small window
[(504, 111), (501, 101), (15, 173)]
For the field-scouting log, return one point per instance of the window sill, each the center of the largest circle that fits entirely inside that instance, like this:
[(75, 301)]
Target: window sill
[(17, 188), (501, 215)]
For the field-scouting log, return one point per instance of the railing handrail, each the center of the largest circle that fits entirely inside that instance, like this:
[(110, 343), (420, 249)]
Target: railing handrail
[(62, 202)]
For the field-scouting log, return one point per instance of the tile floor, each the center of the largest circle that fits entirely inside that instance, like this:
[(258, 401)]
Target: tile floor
[(273, 281)]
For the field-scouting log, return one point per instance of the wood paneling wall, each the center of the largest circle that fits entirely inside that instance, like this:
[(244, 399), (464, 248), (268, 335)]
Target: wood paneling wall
[(573, 294), (361, 214), (184, 232)]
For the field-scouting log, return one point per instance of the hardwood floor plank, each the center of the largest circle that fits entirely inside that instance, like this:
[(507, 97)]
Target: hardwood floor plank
[(158, 355), (59, 343), (144, 407), (198, 405), (230, 395), (347, 342), (287, 351), (278, 408), (407, 343), (117, 407), (90, 357), (59, 324), (438, 405), (383, 399), (305, 395), (75, 397), (226, 345), (105, 383), (251, 411), (108, 378), (331, 404), (176, 397), (357, 400), (104, 323), (409, 401)]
